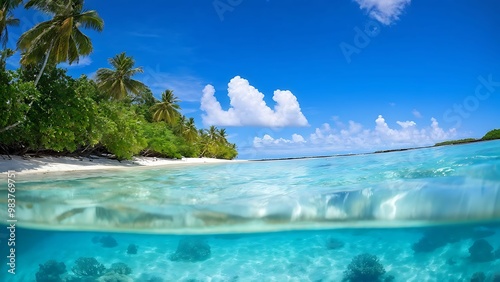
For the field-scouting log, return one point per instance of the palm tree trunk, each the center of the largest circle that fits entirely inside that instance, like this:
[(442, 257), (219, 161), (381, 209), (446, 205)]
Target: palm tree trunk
[(18, 122), (10, 126), (45, 60)]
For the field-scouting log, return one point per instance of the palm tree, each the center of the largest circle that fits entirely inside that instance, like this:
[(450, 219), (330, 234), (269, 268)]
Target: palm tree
[(60, 38), (7, 19), (222, 135), (180, 124), (4, 55), (168, 109), (56, 40), (212, 133), (205, 142), (118, 82), (190, 131)]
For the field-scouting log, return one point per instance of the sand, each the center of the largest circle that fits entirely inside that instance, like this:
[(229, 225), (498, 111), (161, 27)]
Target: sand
[(33, 165), (297, 257)]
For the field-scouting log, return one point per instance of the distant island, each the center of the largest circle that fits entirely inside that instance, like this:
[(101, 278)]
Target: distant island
[(491, 135)]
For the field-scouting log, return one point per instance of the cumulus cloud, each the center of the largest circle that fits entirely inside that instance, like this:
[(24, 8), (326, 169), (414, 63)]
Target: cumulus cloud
[(384, 11), (267, 141), (296, 138), (248, 107), (406, 124), (352, 137)]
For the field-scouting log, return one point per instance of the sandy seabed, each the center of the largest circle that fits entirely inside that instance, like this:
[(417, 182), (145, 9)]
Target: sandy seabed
[(297, 256)]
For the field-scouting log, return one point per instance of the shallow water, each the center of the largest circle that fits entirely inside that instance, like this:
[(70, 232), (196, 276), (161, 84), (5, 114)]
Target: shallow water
[(418, 211)]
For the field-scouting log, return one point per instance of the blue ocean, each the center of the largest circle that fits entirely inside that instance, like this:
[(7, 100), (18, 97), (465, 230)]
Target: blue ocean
[(421, 215)]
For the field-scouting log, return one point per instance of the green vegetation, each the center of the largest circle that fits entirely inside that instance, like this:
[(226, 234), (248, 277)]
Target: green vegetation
[(118, 83), (44, 110), (491, 135), (58, 39), (455, 142), (167, 109)]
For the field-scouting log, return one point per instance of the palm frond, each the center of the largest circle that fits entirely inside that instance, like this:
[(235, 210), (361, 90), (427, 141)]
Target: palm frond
[(91, 20), (60, 37), (83, 43)]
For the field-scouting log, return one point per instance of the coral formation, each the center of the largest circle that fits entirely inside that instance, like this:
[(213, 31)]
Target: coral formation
[(50, 271), (364, 268), (478, 277), (108, 241), (88, 267), (155, 279), (120, 268), (114, 277), (389, 278), (451, 261), (148, 277), (132, 249), (435, 238), (481, 251), (191, 249), (333, 244)]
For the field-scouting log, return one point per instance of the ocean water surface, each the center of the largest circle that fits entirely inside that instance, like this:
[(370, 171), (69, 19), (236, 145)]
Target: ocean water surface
[(422, 215)]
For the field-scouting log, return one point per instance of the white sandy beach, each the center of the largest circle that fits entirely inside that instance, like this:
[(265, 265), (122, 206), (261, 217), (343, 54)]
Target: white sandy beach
[(67, 164)]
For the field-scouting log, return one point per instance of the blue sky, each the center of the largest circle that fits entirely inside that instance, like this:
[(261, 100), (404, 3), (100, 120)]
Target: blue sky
[(352, 75)]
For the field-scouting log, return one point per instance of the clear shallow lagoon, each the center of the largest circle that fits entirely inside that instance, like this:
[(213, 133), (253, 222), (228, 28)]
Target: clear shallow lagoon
[(418, 211)]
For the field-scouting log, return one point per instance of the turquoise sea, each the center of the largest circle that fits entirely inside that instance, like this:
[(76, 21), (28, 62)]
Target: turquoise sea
[(421, 215)]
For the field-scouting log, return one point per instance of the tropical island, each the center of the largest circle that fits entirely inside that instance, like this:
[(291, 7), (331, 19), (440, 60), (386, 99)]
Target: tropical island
[(491, 135), (44, 111)]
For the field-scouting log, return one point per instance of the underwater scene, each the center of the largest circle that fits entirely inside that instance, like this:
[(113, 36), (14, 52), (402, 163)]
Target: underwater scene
[(421, 215)]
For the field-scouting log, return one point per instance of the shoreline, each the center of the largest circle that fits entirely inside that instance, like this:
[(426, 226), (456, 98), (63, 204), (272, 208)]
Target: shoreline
[(51, 164), (372, 152), (66, 164)]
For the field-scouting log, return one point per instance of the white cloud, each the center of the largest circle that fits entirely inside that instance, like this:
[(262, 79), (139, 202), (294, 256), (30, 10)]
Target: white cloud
[(384, 11), (268, 141), (355, 138), (83, 62), (406, 124), (248, 107), (416, 113), (296, 138)]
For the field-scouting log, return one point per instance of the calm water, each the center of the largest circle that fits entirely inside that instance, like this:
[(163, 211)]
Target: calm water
[(423, 215)]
